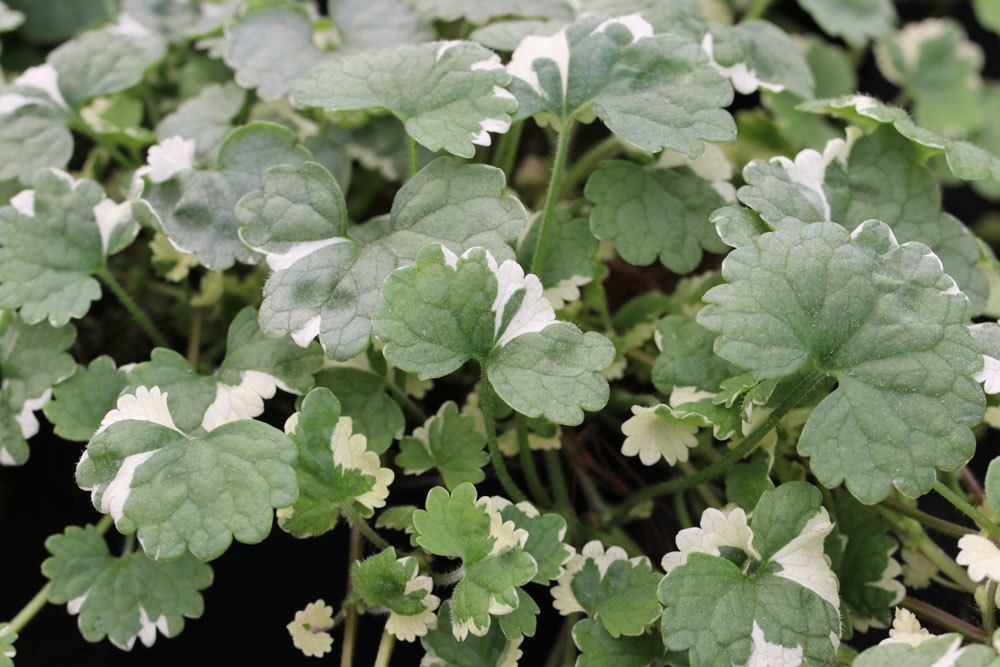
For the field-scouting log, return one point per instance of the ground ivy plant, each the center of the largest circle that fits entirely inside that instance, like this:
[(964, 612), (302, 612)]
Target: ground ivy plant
[(608, 333)]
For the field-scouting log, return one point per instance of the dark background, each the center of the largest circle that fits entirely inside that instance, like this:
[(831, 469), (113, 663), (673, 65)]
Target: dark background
[(258, 588)]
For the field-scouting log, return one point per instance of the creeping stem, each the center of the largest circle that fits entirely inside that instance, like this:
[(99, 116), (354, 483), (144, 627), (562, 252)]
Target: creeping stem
[(963, 506), (508, 483), (132, 307), (552, 198)]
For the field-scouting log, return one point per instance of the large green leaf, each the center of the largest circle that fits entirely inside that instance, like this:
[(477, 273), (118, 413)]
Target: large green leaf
[(446, 310), (328, 285), (653, 91), (126, 598), (181, 492), (880, 317), (205, 118)]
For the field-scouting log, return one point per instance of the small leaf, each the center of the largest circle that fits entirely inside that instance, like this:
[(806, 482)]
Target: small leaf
[(491, 650), (122, 598), (385, 581), (363, 398), (546, 535), (79, 404), (687, 358), (310, 629), (449, 442)]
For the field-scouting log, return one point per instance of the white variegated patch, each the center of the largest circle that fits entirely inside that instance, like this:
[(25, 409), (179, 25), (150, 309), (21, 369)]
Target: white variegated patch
[(242, 401), (506, 535), (118, 490), (766, 654), (146, 404), (808, 169), (888, 581), (981, 556), (566, 292), (168, 158), (310, 629), (743, 78), (350, 450), (712, 165), (24, 203), (989, 376), (906, 629), (562, 592), (408, 627), (718, 528), (652, 437), (26, 419), (44, 78), (804, 561), (682, 395), (534, 48), (109, 216)]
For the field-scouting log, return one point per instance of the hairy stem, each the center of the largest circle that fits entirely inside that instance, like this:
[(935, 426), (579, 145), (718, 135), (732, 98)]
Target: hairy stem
[(913, 534), (557, 480), (552, 198), (406, 402), (359, 524), (528, 463), (589, 161), (989, 609), (133, 308), (718, 468), (510, 487), (943, 619), (928, 520), (963, 506)]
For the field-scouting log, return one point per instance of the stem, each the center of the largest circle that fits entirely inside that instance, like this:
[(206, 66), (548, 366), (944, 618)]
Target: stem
[(528, 463), (553, 466), (989, 609), (359, 524), (973, 484), (133, 308), (76, 122), (510, 487), (552, 198), (703, 490), (506, 152), (963, 506), (385, 649), (351, 615), (943, 619), (413, 159), (680, 507), (588, 162), (929, 520), (915, 535), (415, 410), (194, 336), (716, 469), (757, 9)]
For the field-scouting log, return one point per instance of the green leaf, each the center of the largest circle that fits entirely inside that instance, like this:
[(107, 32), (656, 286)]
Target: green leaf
[(686, 356), (546, 535), (363, 398), (757, 54), (194, 208), (992, 481), (178, 21), (967, 161), (491, 650), (406, 81), (79, 404), (205, 118), (104, 61), (881, 318), (522, 622), (653, 91), (654, 211), (186, 492), (122, 598), (747, 482), (33, 360), (327, 285), (254, 367), (568, 263), (906, 198), (33, 133), (866, 569), (385, 581), (481, 12), (945, 649), (58, 20), (735, 594), (936, 64), (857, 22), (334, 468), (599, 649), (55, 237), (373, 25), (495, 564), (7, 649), (448, 442), (446, 310)]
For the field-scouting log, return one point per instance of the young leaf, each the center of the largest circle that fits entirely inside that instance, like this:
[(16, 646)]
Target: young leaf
[(863, 309), (546, 533), (610, 587), (599, 649), (194, 207), (327, 285), (385, 581), (79, 404), (33, 360), (363, 398), (595, 66), (185, 492), (334, 468), (686, 356), (450, 95), (122, 598), (254, 367), (654, 211), (857, 22), (443, 649), (447, 309), (449, 442), (310, 629), (766, 590), (494, 562), (55, 236)]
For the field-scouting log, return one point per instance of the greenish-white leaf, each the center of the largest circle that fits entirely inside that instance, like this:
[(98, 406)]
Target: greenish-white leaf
[(373, 25), (546, 533), (194, 208), (650, 212), (686, 356), (756, 54), (328, 285), (393, 583), (122, 598), (363, 397), (33, 132), (659, 432), (491, 650), (449, 442), (931, 652), (653, 91), (481, 11), (334, 468), (494, 562), (55, 236), (205, 118), (446, 310), (450, 95), (181, 492), (764, 593), (179, 21), (857, 22), (79, 404)]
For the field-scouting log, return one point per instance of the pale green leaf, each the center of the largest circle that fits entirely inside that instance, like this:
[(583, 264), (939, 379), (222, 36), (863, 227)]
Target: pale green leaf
[(79, 404), (546, 535), (756, 54), (444, 650), (686, 356), (205, 118), (857, 22), (33, 136), (946, 649), (599, 649), (448, 442), (178, 21), (384, 581), (621, 596), (363, 397)]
